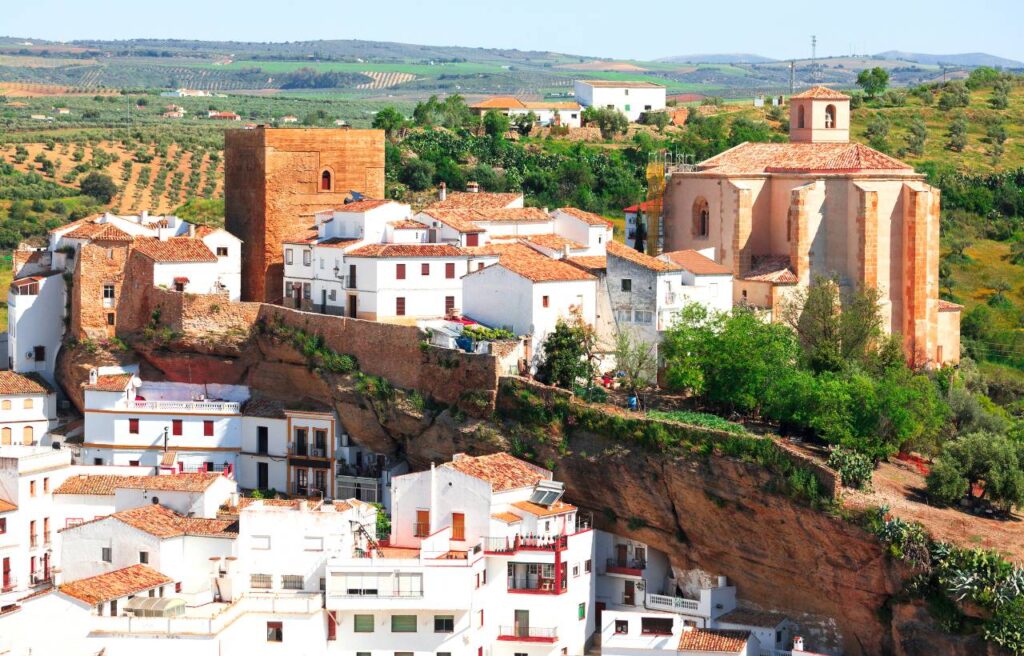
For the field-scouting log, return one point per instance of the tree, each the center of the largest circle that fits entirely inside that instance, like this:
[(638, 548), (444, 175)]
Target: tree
[(659, 120), (957, 134), (996, 139), (873, 81), (609, 121), (524, 122), (635, 358), (417, 174), (98, 185), (496, 123), (955, 94), (990, 462), (917, 137), (878, 132), (390, 120), (568, 353), (1000, 95)]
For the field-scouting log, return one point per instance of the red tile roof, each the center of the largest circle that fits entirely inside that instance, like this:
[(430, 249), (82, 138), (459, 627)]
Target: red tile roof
[(110, 383), (501, 470), (513, 215), (587, 217), (364, 205), (753, 158), (644, 206), (176, 249), (552, 241), (947, 306), (98, 232), (114, 585), (475, 200), (12, 383), (338, 242), (533, 266), (457, 219), (620, 250), (697, 264), (713, 640), (821, 93), (93, 484), (557, 508), (407, 224), (197, 482), (500, 102), (163, 522), (774, 269), (507, 517), (407, 250), (590, 263)]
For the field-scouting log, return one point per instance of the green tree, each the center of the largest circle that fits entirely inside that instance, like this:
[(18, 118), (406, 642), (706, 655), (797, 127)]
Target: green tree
[(873, 81), (917, 136), (957, 134), (636, 359), (955, 94), (659, 120), (609, 121), (996, 140), (1000, 95), (390, 120), (417, 174), (496, 124), (99, 186), (568, 353), (524, 122), (877, 132), (991, 462)]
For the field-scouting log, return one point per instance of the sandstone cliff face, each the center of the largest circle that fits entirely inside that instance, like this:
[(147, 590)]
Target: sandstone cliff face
[(708, 512)]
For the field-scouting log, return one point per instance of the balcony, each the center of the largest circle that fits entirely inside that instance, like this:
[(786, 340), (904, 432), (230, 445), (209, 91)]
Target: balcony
[(533, 585), (421, 529), (174, 407), (527, 634), (625, 566), (511, 545), (672, 604), (299, 490), (10, 583)]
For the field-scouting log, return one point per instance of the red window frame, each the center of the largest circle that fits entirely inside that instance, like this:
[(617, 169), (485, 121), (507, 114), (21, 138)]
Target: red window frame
[(207, 428), (449, 269), (400, 306), (176, 427), (425, 269), (400, 272), (133, 425)]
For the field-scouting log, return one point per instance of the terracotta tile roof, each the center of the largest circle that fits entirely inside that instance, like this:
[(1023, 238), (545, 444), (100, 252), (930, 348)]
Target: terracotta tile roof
[(407, 250), (552, 241), (197, 482), (620, 250), (494, 248), (457, 219), (96, 484), (399, 552), (114, 585), (711, 640), (500, 102), (20, 384), (513, 215), (501, 470), (407, 224), (760, 618), (947, 306), (568, 106), (696, 263), (110, 383), (163, 522), (557, 508), (507, 517), (644, 206), (822, 93), (364, 205), (302, 235), (622, 84), (338, 242), (72, 224), (475, 200), (589, 263), (587, 217), (176, 249), (753, 158), (773, 269), (7, 506), (530, 264), (99, 232)]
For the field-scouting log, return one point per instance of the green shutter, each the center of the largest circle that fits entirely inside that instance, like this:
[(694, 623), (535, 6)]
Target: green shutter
[(403, 624), (583, 611), (363, 623)]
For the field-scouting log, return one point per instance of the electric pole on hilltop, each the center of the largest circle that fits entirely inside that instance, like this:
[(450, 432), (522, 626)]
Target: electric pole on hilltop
[(814, 58)]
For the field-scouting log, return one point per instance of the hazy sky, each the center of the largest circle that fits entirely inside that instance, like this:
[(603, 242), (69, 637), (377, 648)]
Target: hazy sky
[(645, 29)]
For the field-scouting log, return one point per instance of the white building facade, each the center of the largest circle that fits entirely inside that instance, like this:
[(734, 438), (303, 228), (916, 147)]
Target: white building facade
[(629, 98)]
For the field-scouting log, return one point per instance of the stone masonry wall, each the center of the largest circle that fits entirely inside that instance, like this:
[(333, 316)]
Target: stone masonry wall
[(98, 264)]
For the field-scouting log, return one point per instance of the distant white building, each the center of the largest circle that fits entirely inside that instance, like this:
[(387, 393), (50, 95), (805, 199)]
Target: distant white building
[(185, 93), (629, 98), (28, 409), (548, 112)]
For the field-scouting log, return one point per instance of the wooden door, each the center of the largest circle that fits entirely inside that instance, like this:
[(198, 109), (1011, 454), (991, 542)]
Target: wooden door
[(522, 628), (629, 596), (621, 552), (422, 523)]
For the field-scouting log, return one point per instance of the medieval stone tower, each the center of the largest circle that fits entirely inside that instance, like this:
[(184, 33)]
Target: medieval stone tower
[(276, 179)]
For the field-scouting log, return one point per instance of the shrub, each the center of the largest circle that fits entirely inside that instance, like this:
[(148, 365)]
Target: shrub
[(854, 468)]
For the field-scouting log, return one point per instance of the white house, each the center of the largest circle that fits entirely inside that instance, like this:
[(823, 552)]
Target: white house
[(704, 281), (548, 112), (629, 98), (35, 311), (28, 409)]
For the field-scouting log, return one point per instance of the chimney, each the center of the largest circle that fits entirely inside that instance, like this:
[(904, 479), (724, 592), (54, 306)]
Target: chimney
[(192, 230), (798, 644), (144, 215), (473, 187), (723, 581), (442, 192), (93, 376), (565, 250)]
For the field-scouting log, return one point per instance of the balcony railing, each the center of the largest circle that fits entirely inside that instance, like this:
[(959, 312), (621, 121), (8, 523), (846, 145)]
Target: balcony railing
[(528, 633), (511, 545), (305, 490), (672, 604), (421, 529), (199, 407), (632, 566), (9, 583), (532, 584)]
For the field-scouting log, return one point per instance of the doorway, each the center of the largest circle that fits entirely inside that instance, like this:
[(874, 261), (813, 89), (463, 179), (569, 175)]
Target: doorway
[(352, 306), (522, 624), (262, 476), (629, 594)]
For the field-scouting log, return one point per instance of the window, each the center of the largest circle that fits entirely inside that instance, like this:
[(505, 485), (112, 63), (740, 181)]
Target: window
[(587, 566), (581, 612), (6, 404), (472, 239), (403, 624), (39, 355), (291, 582), (449, 304), (307, 258), (400, 271), (545, 301), (333, 294), (481, 617), (627, 285), (208, 428), (262, 439), (656, 625), (362, 623), (647, 108), (222, 251), (576, 570), (144, 557), (800, 116), (31, 488), (643, 316), (275, 632), (325, 180), (108, 295), (260, 581), (177, 588), (458, 526), (175, 427), (701, 218), (400, 306), (444, 623), (110, 318), (3, 525), (287, 256), (425, 269), (305, 290), (105, 555), (621, 627), (449, 270), (422, 527), (133, 426), (830, 117), (27, 435)]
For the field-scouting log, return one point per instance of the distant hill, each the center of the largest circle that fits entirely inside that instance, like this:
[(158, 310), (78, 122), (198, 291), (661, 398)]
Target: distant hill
[(963, 59), (726, 58)]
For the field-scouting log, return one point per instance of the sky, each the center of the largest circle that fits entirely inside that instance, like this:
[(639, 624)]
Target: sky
[(626, 30)]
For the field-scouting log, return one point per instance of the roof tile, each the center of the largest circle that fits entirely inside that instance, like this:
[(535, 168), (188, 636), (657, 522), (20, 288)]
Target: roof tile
[(712, 640), (476, 200), (175, 249), (754, 158), (696, 263), (114, 585), (821, 93), (620, 250), (407, 250), (12, 383), (501, 470), (587, 217)]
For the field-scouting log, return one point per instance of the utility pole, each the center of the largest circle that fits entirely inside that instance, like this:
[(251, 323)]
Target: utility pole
[(814, 58), (792, 76)]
